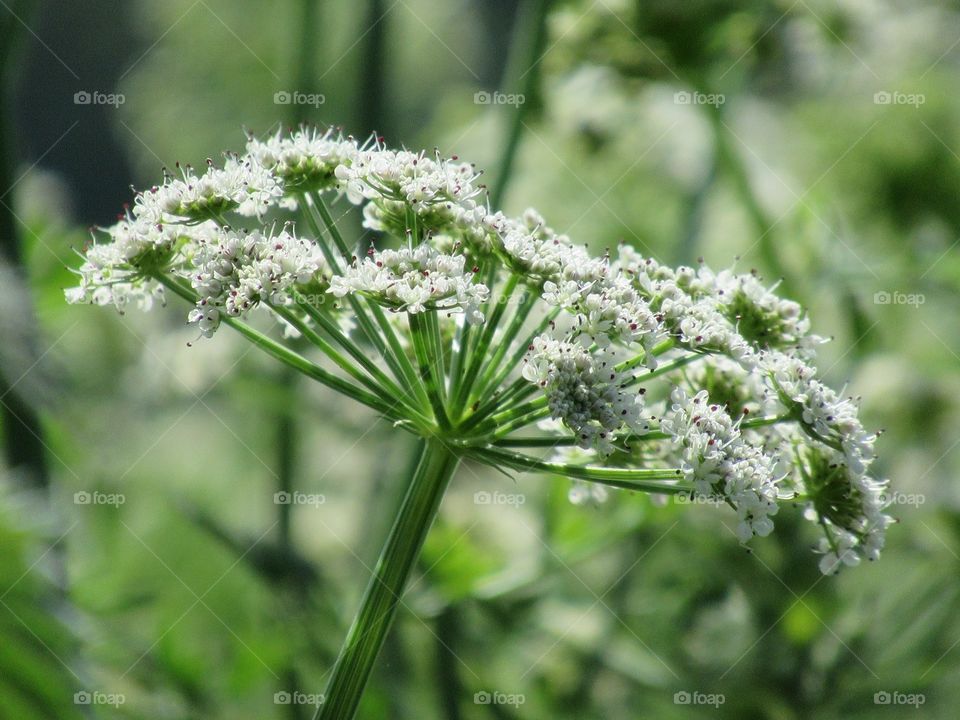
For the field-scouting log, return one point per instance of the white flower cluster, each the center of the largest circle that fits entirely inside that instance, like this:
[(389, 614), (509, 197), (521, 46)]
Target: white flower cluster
[(846, 499), (584, 391), (756, 349), (415, 280), (720, 462), (236, 271), (241, 185), (725, 312), (306, 160), (440, 193), (113, 273)]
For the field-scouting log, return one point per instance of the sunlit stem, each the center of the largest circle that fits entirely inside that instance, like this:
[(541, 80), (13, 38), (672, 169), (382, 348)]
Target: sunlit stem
[(550, 441), (527, 419), (395, 357), (519, 387), (327, 349), (479, 352), (503, 345), (425, 351), (640, 359), (330, 326), (459, 350), (390, 576), (654, 480), (664, 368)]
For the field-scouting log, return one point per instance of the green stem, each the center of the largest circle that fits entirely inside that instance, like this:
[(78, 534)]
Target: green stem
[(504, 343), (424, 348), (383, 594), (395, 357), (552, 441), (655, 480), (331, 352), (478, 353), (333, 330), (664, 368), (495, 401), (289, 357), (458, 351), (524, 420)]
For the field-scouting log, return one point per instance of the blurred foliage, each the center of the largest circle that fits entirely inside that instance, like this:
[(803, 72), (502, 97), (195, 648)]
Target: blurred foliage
[(186, 598)]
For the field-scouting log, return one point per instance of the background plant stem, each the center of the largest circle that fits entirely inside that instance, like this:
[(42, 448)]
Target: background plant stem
[(523, 71), (22, 432), (728, 159)]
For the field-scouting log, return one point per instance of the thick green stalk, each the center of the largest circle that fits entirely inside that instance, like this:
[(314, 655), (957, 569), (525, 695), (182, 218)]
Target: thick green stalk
[(383, 594)]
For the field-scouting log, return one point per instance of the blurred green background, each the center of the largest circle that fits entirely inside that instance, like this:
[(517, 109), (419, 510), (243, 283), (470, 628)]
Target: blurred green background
[(145, 569)]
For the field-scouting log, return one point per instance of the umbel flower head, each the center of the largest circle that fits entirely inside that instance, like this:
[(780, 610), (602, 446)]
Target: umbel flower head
[(501, 337)]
